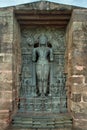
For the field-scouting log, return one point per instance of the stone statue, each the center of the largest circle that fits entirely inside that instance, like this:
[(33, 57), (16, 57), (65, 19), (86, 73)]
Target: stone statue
[(42, 55)]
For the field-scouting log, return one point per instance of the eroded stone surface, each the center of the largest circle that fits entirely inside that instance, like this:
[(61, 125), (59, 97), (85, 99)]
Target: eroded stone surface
[(76, 63)]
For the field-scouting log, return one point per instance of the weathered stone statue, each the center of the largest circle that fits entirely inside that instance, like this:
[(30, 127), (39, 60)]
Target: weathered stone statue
[(42, 55)]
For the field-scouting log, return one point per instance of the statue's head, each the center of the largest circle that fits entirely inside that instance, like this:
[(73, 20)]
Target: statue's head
[(42, 40)]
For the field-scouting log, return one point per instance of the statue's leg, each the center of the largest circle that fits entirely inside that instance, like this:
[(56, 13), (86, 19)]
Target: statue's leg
[(45, 82), (46, 74), (45, 87), (40, 87), (39, 82)]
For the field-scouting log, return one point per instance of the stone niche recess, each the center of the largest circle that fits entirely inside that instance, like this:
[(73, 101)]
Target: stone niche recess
[(66, 29), (55, 40)]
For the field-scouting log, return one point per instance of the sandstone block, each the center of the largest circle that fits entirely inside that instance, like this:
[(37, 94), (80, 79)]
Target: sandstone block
[(4, 104), (86, 79), (5, 66), (80, 124), (6, 95), (5, 86), (6, 76), (1, 59), (77, 79), (7, 58), (85, 97), (76, 97), (79, 15)]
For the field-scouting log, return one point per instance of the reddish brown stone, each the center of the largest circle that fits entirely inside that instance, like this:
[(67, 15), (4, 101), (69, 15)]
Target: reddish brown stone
[(85, 98), (79, 115), (4, 115), (6, 95), (6, 86), (5, 105), (6, 76), (76, 59), (80, 124), (76, 97), (5, 67), (77, 89), (78, 80), (86, 79), (76, 70)]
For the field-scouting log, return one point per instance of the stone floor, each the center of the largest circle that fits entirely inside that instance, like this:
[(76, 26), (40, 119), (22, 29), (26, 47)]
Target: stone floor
[(12, 128), (41, 121)]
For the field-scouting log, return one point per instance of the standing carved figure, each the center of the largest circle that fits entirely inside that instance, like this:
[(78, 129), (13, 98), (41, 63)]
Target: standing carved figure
[(40, 56)]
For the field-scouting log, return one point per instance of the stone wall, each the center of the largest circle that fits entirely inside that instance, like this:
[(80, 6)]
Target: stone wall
[(6, 40), (9, 50), (76, 68), (76, 60), (16, 63)]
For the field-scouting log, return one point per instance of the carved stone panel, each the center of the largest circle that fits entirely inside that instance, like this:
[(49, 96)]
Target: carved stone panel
[(56, 100)]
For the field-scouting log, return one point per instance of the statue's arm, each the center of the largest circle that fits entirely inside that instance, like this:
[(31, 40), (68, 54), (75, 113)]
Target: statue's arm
[(51, 55), (34, 55)]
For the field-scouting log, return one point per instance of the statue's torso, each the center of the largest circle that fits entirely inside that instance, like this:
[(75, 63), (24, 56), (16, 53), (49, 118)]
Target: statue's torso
[(42, 53)]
